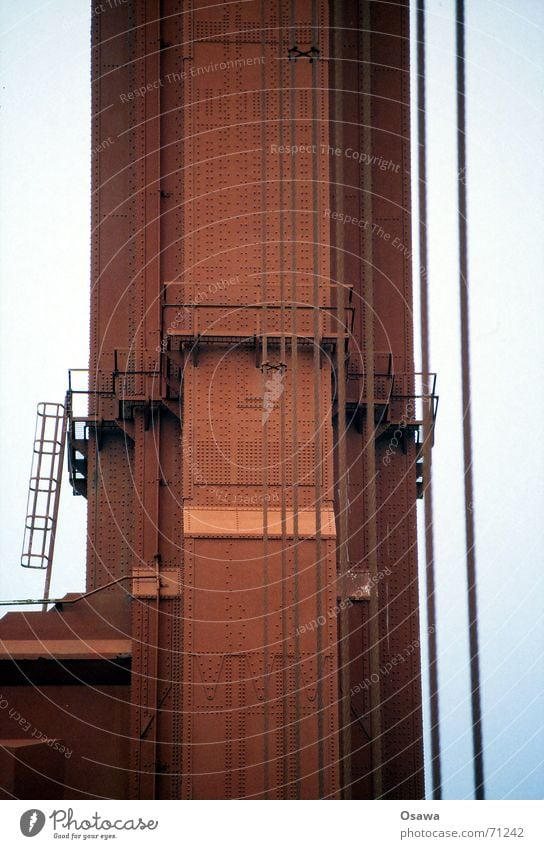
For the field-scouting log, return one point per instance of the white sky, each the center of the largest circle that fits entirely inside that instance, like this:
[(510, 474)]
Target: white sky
[(44, 252)]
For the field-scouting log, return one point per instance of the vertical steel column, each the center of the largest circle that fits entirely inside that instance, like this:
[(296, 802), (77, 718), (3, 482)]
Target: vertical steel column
[(147, 421)]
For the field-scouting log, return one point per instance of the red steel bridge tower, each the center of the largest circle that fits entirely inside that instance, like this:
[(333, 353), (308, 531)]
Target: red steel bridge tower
[(250, 448)]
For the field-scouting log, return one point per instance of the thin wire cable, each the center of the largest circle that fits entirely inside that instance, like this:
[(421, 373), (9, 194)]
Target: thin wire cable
[(427, 412), (318, 452), (289, 760), (369, 449), (294, 423), (342, 529), (266, 547), (478, 760)]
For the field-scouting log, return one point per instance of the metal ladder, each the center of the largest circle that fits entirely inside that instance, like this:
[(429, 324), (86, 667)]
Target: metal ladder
[(44, 490)]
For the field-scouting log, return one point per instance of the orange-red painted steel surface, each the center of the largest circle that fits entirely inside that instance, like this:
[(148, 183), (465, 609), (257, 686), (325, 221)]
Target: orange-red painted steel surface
[(250, 243)]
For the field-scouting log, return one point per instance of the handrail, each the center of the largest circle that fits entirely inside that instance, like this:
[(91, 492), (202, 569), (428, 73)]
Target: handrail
[(5, 603)]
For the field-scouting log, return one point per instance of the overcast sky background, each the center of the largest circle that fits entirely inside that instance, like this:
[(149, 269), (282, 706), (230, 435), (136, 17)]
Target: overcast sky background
[(44, 300)]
